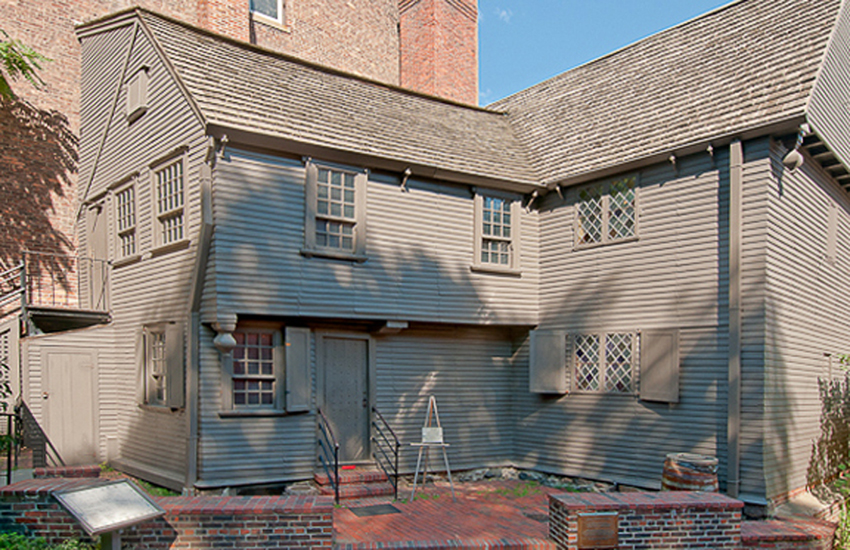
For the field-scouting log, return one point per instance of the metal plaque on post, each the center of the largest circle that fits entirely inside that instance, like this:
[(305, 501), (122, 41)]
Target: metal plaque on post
[(599, 530), (109, 507)]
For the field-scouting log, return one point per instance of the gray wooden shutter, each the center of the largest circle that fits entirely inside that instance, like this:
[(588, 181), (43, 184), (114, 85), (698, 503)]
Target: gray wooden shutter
[(547, 362), (312, 173), (141, 382), (361, 182), (659, 366), (298, 380), (174, 361)]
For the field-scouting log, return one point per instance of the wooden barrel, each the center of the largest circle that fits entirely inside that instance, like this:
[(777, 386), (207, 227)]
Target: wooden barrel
[(689, 472)]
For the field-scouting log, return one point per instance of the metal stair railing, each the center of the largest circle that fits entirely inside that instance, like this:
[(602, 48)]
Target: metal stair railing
[(329, 453), (385, 449), (33, 437)]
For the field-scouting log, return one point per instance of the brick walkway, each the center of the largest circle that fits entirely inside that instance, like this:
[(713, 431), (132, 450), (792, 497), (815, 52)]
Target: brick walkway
[(487, 515)]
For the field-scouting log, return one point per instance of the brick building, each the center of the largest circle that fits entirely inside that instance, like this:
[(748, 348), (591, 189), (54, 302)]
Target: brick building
[(426, 45)]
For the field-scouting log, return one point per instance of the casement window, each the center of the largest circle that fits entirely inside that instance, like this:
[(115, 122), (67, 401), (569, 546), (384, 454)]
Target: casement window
[(627, 363), (607, 212), (335, 214), (161, 355), (169, 199), (137, 94), (125, 221), (497, 227), (273, 10)]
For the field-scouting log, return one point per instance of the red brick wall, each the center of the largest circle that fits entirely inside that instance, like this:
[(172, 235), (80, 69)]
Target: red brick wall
[(652, 520), (252, 523), (439, 48)]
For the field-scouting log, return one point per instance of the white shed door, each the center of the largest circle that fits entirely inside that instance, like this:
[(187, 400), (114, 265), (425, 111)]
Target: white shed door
[(69, 400)]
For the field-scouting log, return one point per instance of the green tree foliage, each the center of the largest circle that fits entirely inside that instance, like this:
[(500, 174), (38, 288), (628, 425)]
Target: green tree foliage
[(17, 60)]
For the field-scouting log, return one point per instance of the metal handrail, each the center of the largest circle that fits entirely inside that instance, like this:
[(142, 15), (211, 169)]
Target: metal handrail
[(329, 452), (12, 441), (387, 463), (35, 438)]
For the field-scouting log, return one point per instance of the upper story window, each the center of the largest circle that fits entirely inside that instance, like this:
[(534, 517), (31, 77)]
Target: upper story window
[(270, 9), (169, 197), (335, 222), (496, 232), (605, 363), (125, 217), (607, 212), (137, 94)]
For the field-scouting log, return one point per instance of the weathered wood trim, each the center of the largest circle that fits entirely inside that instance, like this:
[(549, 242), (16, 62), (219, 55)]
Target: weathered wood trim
[(733, 429)]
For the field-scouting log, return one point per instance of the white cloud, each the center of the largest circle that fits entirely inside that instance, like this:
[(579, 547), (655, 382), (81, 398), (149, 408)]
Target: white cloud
[(504, 14), (484, 96)]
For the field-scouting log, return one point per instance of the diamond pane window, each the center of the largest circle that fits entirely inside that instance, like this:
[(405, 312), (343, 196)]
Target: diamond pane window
[(169, 200), (618, 363), (126, 220), (253, 369), (606, 212), (587, 362)]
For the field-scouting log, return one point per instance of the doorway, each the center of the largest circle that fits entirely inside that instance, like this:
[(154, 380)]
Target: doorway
[(69, 400)]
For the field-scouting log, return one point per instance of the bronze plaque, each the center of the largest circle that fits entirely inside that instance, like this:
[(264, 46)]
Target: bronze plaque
[(598, 530)]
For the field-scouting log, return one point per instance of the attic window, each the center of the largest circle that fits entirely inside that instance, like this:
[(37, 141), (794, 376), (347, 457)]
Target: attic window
[(137, 95), (269, 9)]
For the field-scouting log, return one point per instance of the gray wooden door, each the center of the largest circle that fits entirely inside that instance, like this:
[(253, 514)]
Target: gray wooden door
[(346, 395), (98, 252), (69, 400)]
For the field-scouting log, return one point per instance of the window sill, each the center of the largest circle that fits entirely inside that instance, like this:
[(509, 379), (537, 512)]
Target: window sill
[(608, 243), (170, 247), (127, 261), (252, 413), (496, 270), (160, 409), (333, 254), (269, 22)]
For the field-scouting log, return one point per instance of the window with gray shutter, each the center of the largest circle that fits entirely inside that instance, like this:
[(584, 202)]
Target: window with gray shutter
[(659, 366), (547, 362), (174, 366), (160, 353), (298, 379), (335, 212), (137, 94)]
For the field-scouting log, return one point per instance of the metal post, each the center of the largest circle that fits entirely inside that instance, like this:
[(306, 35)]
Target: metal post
[(397, 444), (336, 473), (9, 437)]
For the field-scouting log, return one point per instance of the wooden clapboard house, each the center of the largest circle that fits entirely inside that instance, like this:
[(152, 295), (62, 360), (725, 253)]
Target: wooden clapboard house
[(624, 261)]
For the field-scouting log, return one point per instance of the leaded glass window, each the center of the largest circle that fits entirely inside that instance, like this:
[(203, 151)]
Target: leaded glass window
[(169, 201), (156, 367), (606, 212), (125, 215), (587, 362), (253, 369), (605, 362)]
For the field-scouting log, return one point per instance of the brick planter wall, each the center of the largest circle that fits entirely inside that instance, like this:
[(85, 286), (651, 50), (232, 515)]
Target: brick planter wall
[(652, 520), (190, 522)]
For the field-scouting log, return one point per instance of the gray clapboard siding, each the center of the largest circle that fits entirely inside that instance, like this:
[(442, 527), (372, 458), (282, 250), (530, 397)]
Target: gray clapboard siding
[(419, 250), (806, 305), (828, 109)]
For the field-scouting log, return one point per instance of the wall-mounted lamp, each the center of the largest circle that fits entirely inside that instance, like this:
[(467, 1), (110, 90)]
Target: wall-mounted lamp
[(794, 158), (405, 175)]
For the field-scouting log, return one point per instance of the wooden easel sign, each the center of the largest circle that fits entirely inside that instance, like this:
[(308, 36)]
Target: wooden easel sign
[(432, 436)]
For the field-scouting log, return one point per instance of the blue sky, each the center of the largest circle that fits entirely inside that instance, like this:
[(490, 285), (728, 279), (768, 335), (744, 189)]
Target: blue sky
[(523, 42)]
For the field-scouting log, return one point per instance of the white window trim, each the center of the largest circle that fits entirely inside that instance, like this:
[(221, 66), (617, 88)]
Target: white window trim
[(134, 229), (159, 245), (602, 366), (279, 21), (311, 249), (514, 267), (229, 408), (605, 186)]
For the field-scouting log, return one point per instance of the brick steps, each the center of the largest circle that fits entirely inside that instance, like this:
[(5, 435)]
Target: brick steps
[(356, 484)]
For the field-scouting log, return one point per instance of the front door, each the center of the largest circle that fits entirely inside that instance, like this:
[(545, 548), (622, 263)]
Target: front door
[(346, 394), (69, 404)]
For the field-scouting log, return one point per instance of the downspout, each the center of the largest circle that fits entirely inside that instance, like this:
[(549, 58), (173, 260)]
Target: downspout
[(733, 395), (199, 273)]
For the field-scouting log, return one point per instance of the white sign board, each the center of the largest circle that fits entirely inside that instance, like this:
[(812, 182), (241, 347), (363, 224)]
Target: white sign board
[(109, 507)]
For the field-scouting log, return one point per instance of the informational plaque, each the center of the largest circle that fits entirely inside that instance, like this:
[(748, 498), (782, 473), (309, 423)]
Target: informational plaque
[(598, 530), (109, 507)]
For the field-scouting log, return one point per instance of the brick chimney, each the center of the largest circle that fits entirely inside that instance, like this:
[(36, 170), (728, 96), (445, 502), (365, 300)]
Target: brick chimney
[(439, 48), (225, 17)]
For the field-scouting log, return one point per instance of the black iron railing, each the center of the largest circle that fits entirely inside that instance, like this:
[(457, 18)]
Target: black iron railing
[(329, 453), (10, 440), (44, 454), (385, 448)]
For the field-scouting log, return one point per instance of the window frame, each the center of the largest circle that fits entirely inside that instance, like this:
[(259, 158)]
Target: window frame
[(280, 20), (229, 405), (158, 217), (602, 362), (312, 216), (170, 376), (514, 265), (130, 230), (604, 188)]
